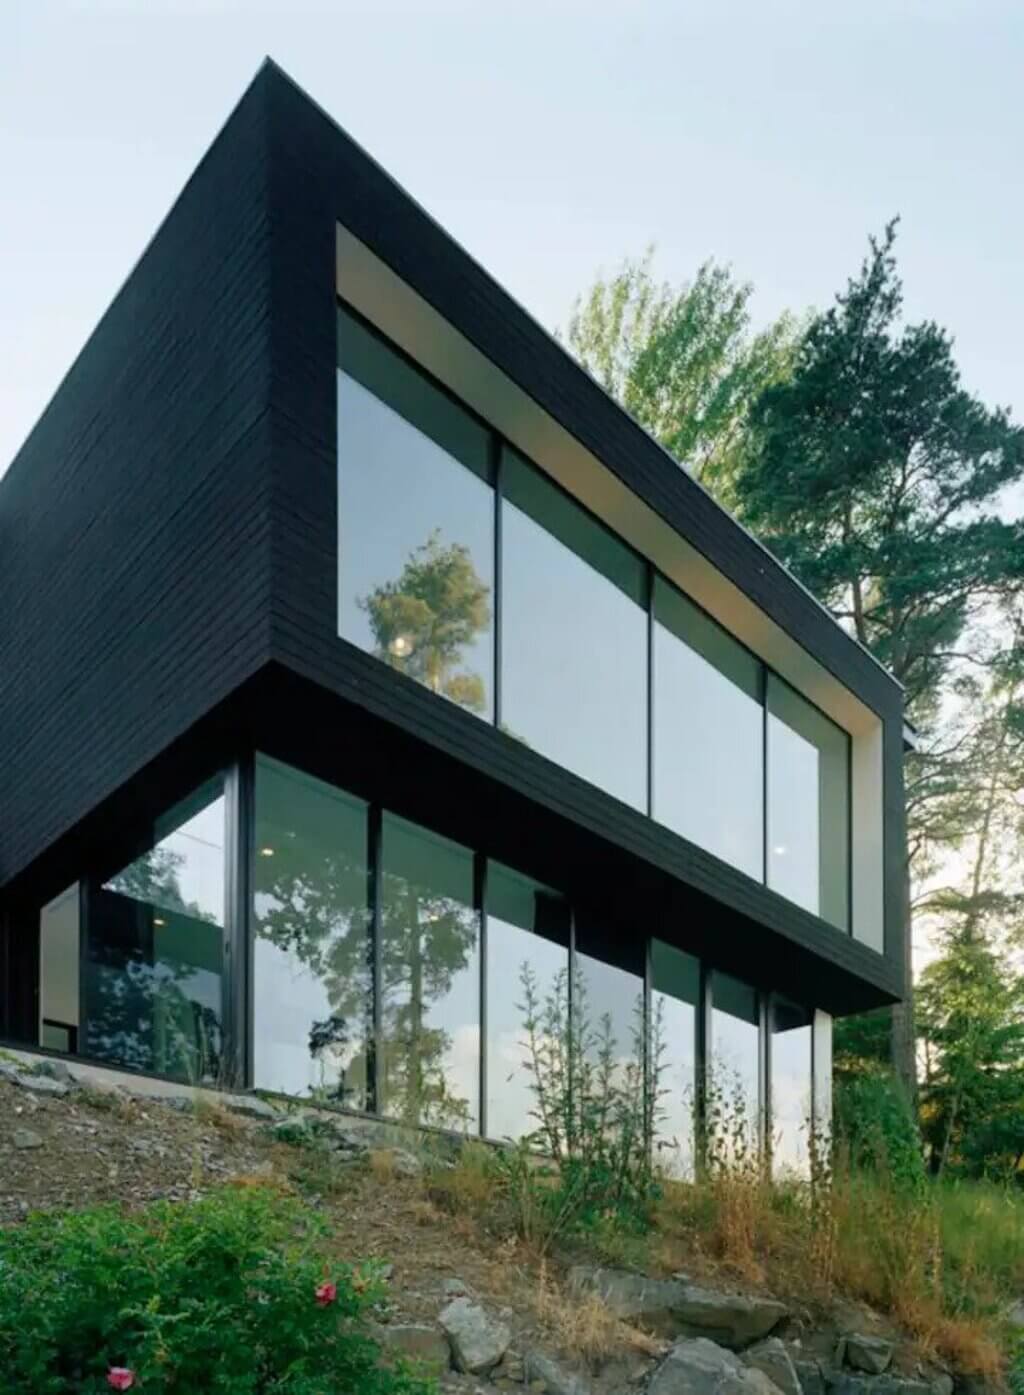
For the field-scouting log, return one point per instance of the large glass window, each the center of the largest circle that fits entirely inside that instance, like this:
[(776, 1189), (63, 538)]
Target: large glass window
[(790, 1058), (675, 995), (311, 951), (59, 923), (154, 949), (808, 805), (734, 1070), (708, 734), (527, 998), (574, 636), (430, 979), (415, 524), (608, 1001)]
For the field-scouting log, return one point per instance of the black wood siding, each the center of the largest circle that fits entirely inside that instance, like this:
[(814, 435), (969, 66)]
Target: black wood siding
[(135, 521)]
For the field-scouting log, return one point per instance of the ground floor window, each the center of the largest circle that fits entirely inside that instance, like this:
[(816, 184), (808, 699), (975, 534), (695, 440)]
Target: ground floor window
[(273, 929)]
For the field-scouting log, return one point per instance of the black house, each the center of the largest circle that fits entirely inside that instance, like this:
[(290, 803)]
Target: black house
[(363, 667)]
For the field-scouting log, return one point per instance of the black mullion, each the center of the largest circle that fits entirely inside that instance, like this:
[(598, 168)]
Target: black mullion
[(765, 1014), (765, 831), (849, 834), (571, 1014), (480, 899), (651, 582), (649, 1083), (703, 1045), (497, 454), (238, 990), (374, 1044)]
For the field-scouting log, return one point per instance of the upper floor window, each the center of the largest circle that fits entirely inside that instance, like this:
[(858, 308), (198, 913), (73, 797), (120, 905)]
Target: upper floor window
[(708, 768), (808, 805), (574, 636), (468, 569), (415, 524)]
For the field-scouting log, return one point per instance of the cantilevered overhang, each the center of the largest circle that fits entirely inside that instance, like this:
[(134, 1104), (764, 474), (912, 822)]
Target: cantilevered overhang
[(402, 272)]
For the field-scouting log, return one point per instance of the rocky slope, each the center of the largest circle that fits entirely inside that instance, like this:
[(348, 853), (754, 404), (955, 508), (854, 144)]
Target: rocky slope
[(483, 1316)]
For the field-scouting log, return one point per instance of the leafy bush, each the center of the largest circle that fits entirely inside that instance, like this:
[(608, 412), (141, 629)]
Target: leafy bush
[(233, 1294), (595, 1104), (873, 1122)]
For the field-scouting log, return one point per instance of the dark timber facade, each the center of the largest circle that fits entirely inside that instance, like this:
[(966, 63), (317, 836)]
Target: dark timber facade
[(173, 613)]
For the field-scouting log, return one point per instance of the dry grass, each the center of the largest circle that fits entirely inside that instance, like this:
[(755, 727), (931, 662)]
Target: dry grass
[(209, 1110), (584, 1328)]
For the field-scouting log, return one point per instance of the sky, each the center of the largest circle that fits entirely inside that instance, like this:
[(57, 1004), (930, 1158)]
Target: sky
[(550, 137)]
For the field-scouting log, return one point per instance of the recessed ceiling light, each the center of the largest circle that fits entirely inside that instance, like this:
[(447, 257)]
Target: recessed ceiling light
[(401, 646), (780, 850), (159, 920), (266, 852)]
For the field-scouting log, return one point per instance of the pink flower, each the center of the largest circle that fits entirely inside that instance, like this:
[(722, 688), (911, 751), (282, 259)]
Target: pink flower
[(120, 1378), (326, 1293)]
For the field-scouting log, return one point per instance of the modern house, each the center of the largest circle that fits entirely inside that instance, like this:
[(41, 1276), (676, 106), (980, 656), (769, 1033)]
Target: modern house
[(363, 666)]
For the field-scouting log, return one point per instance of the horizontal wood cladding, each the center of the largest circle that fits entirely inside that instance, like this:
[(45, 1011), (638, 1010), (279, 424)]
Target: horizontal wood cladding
[(135, 522)]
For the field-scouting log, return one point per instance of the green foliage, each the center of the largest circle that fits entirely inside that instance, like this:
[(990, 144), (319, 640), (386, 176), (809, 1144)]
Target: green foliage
[(873, 1124), (596, 1108), (683, 361), (971, 1016), (875, 474), (217, 1296)]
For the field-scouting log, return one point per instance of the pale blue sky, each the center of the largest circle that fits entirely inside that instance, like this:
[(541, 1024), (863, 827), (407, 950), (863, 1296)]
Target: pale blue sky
[(549, 136)]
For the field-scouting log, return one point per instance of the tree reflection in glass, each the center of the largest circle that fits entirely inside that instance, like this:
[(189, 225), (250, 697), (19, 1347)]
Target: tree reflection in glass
[(430, 1007), (312, 977), (154, 948), (424, 622)]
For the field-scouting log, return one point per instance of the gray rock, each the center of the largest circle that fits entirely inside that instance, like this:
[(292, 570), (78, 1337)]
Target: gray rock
[(478, 1341), (557, 1380), (871, 1354), (698, 1366), (26, 1138), (56, 1070), (1015, 1314), (511, 1367), (809, 1374), (772, 1357), (403, 1163), (673, 1308), (942, 1384), (853, 1383), (252, 1106), (454, 1288), (40, 1084), (418, 1342)]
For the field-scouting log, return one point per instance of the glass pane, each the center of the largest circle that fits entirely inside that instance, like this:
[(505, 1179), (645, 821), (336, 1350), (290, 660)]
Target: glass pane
[(430, 979), (791, 1088), (608, 1004), (574, 637), (154, 949), (527, 1000), (675, 994), (808, 805), (58, 970), (311, 953), (734, 1093), (415, 525), (708, 734)]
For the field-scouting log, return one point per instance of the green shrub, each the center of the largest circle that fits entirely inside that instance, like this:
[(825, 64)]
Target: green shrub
[(873, 1122), (232, 1294)]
